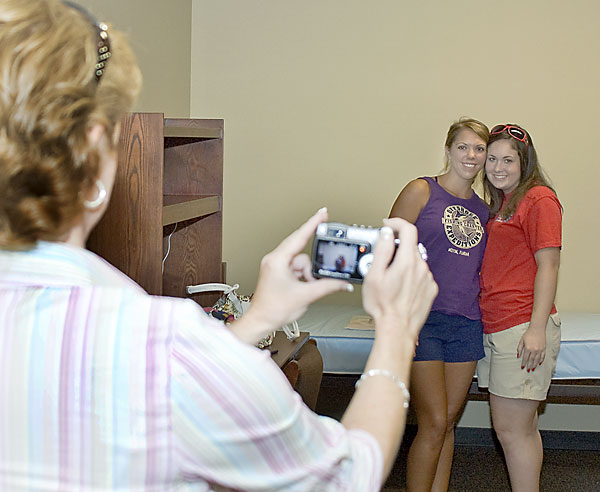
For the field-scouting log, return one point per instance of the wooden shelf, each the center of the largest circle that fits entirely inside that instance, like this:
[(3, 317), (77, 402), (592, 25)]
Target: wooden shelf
[(177, 208), (191, 132), (170, 172)]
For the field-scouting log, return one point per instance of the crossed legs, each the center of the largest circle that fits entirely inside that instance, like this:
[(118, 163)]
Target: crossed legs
[(516, 424), (438, 392)]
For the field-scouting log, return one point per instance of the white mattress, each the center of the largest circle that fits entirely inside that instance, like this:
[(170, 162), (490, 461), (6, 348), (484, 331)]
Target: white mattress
[(345, 351)]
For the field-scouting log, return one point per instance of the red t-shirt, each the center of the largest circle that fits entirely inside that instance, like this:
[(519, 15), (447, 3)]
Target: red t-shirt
[(508, 270)]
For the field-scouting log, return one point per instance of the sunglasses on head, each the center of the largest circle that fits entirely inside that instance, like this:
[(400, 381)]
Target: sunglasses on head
[(514, 131)]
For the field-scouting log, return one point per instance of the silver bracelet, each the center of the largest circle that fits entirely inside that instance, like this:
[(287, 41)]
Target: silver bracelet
[(386, 373)]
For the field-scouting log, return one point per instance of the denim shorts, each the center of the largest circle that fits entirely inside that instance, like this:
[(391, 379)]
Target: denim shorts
[(450, 338)]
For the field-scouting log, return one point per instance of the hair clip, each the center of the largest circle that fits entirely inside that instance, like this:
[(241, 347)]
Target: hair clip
[(103, 44), (103, 49)]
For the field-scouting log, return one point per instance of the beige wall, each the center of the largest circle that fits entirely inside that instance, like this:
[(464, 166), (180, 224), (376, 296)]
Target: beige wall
[(340, 103), (160, 33)]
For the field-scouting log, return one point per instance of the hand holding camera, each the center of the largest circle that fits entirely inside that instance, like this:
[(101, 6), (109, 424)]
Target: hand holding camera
[(346, 252), (399, 289), (287, 285)]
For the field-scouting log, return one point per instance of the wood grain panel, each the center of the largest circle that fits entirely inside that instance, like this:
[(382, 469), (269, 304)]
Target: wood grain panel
[(129, 235), (195, 167), (195, 245)]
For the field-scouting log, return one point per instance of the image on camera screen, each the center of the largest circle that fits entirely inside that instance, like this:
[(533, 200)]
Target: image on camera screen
[(336, 259)]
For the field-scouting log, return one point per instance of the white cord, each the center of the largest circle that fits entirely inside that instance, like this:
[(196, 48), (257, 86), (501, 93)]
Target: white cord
[(293, 332), (168, 247)]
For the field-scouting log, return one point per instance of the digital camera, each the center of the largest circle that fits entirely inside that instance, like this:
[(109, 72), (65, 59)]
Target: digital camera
[(345, 252)]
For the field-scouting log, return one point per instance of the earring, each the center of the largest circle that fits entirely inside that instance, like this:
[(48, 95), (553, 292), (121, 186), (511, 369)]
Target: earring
[(99, 200)]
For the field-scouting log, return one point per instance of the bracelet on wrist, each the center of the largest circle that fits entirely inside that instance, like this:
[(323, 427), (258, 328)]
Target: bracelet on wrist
[(388, 374)]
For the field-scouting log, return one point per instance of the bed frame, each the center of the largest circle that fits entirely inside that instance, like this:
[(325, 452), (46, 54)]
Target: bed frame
[(573, 391), (577, 378)]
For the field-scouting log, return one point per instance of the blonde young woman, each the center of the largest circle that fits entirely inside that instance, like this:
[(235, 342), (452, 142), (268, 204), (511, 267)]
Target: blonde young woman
[(104, 387), (450, 219)]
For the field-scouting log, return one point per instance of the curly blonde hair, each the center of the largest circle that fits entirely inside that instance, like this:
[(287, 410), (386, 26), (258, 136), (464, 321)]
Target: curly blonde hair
[(49, 99)]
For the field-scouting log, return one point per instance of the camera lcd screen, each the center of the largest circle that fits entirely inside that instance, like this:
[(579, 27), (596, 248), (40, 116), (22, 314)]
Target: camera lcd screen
[(336, 259)]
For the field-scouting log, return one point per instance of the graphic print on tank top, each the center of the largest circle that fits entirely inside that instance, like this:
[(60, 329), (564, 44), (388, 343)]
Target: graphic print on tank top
[(463, 228)]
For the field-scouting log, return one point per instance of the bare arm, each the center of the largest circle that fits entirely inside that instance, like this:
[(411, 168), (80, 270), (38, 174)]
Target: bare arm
[(411, 200), (532, 347), (399, 298), (398, 295)]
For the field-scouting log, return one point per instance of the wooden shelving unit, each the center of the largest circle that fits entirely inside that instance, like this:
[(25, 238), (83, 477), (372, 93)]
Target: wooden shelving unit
[(167, 197)]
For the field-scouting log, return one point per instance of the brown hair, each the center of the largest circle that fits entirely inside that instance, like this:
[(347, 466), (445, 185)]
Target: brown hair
[(532, 175), (472, 124), (49, 99)]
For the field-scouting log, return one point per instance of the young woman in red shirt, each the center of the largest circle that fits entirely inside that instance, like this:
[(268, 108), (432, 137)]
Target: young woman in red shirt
[(519, 276)]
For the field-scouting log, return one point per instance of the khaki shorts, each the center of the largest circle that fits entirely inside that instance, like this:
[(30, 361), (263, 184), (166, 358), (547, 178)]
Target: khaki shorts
[(501, 372)]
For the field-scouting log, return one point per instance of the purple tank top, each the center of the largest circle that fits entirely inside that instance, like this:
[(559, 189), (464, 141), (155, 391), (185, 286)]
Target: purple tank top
[(453, 231)]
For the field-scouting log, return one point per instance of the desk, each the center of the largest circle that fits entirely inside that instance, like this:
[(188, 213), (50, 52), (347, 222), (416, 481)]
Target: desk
[(302, 364), (284, 350)]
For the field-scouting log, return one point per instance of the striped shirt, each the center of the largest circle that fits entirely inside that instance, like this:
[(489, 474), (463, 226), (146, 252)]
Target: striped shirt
[(103, 387)]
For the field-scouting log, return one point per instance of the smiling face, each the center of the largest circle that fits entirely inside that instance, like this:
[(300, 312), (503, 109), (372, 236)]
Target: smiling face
[(466, 155), (503, 166)]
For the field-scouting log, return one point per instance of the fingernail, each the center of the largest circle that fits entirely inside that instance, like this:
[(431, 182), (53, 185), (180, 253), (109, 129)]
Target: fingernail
[(386, 232), (533, 369), (321, 210), (522, 367), (349, 288), (528, 369)]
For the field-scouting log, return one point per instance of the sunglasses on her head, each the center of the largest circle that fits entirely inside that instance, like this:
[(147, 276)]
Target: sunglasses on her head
[(514, 131)]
